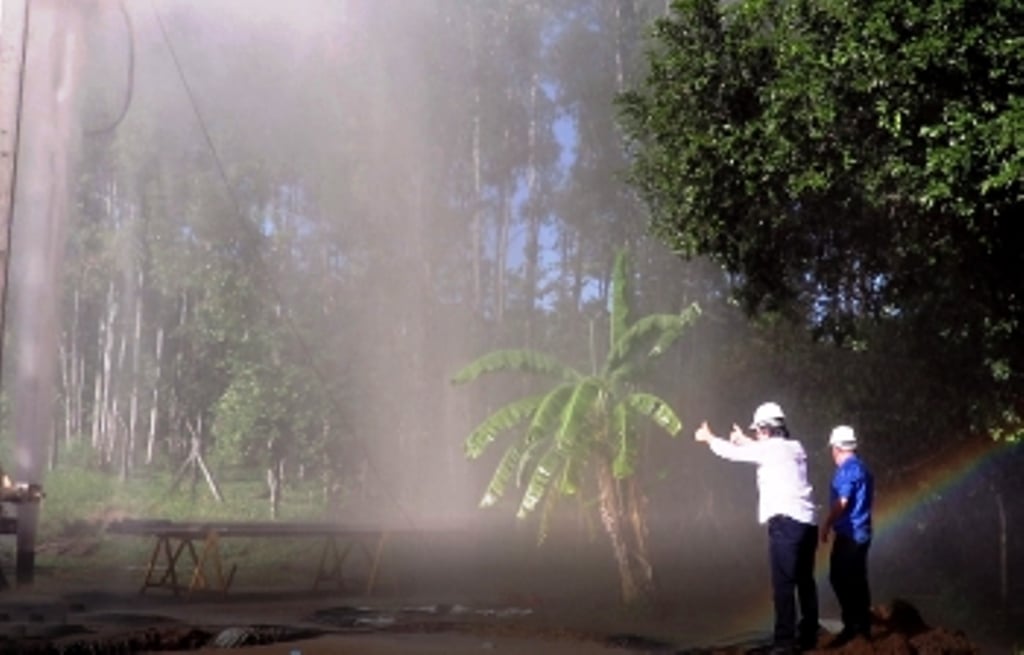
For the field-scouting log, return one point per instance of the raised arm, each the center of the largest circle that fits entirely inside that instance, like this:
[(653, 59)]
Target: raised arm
[(748, 452)]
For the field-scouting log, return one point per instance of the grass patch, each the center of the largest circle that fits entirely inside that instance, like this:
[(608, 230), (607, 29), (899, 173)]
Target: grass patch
[(80, 503), (77, 495)]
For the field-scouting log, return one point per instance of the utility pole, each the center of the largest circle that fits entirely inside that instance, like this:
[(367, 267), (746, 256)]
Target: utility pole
[(13, 32), (37, 97), (12, 60)]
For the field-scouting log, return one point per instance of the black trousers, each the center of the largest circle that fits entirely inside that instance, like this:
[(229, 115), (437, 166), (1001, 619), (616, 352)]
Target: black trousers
[(792, 545), (848, 573)]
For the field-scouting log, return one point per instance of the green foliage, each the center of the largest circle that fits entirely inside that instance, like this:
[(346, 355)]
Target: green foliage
[(852, 164), (80, 503), (620, 299), (75, 494), (526, 361), (505, 418), (268, 411), (248, 238), (583, 421)]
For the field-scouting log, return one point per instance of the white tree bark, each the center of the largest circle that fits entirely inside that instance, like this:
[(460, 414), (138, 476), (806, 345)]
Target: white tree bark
[(155, 405)]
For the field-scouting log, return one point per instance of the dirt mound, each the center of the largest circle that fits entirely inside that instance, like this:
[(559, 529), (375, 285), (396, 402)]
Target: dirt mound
[(899, 629)]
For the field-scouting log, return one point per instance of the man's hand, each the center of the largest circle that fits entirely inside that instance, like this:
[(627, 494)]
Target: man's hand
[(833, 515), (738, 437), (703, 433)]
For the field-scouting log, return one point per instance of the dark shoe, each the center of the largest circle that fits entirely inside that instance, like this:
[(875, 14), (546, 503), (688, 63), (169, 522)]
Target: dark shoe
[(809, 640), (774, 648), (808, 643)]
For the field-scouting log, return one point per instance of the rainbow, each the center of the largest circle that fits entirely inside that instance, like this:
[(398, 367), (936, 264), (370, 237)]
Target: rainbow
[(901, 506), (897, 508)]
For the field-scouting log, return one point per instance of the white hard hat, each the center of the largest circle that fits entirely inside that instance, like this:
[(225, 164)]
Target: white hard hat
[(768, 414), (843, 437)]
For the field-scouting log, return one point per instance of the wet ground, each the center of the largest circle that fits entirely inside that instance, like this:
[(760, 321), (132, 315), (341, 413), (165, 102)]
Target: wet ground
[(516, 600), (101, 623)]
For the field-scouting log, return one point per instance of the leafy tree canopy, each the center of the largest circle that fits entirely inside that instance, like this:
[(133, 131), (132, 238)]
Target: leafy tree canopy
[(857, 163)]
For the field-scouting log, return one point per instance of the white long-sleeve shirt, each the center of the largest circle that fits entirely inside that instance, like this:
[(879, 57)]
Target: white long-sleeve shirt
[(781, 475)]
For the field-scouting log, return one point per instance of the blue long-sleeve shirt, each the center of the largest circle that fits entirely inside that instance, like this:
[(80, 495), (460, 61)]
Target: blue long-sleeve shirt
[(854, 482)]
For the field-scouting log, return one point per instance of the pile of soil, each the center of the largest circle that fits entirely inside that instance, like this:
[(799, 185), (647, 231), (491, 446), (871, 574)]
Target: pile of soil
[(899, 629)]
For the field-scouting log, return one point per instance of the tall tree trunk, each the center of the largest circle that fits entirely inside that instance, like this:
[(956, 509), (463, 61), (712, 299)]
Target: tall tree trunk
[(501, 250), (275, 477), (196, 440), (97, 394), (65, 383), (118, 436), (274, 486), (175, 410), (75, 379), (578, 272), (80, 417), (532, 254), (477, 201), (626, 40), (76, 374), (104, 377), (133, 396), (154, 407)]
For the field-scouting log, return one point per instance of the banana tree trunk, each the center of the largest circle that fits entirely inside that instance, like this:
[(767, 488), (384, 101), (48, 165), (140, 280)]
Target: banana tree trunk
[(622, 518), (637, 510)]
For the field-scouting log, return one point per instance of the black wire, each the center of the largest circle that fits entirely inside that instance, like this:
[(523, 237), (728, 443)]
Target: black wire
[(222, 173), (130, 86)]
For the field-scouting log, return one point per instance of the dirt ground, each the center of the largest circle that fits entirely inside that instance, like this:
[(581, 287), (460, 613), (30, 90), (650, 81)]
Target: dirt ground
[(503, 596), (308, 624)]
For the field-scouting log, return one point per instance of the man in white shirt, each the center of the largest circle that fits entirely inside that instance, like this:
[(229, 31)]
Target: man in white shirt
[(785, 506)]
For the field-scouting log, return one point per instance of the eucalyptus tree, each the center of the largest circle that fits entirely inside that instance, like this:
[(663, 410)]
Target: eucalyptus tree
[(166, 256), (857, 166), (594, 56), (585, 429), (444, 152), (125, 259), (370, 211)]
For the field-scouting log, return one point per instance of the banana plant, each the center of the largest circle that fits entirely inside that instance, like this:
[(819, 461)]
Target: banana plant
[(585, 428)]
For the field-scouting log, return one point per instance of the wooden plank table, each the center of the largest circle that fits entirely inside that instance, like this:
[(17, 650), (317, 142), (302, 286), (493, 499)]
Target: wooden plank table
[(190, 551)]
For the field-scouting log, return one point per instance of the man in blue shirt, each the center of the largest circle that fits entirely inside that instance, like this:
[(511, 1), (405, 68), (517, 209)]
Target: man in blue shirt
[(850, 500)]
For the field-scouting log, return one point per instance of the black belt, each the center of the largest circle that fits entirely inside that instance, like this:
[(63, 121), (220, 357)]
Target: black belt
[(783, 518)]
